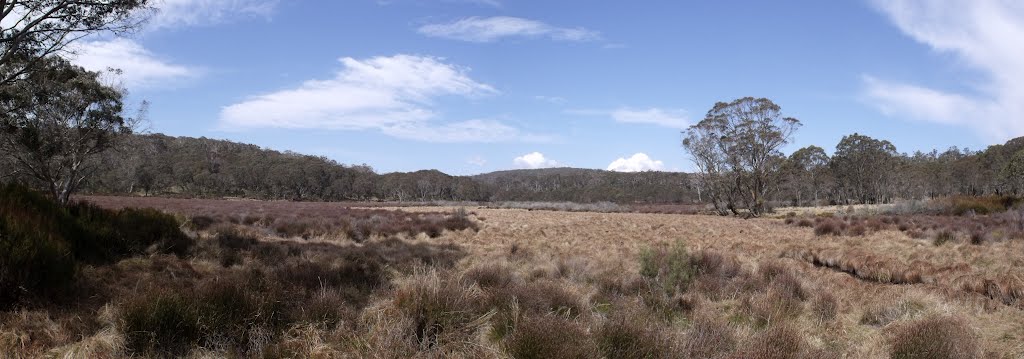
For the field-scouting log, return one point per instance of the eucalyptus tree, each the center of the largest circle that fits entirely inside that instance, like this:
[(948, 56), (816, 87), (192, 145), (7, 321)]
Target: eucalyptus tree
[(33, 30), (736, 148), (56, 122)]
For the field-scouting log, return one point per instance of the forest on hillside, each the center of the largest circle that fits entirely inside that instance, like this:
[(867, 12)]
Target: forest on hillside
[(861, 170)]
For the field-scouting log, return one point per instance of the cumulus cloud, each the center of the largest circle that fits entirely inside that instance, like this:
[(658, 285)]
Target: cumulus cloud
[(490, 29), (187, 13), (534, 160), (652, 116), (140, 68), (985, 35), (393, 95), (639, 162)]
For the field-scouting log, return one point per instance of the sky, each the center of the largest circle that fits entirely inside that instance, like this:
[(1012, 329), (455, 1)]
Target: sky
[(473, 86)]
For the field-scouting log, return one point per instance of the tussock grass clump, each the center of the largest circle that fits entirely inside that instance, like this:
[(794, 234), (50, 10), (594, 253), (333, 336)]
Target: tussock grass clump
[(780, 341), (442, 308), (549, 336), (944, 236), (491, 275), (825, 307), (708, 337), (934, 337)]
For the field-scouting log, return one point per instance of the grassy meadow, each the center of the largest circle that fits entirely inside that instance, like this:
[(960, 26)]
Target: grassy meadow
[(323, 280)]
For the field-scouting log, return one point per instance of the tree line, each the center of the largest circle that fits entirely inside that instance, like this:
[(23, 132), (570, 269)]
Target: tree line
[(737, 151), (157, 164)]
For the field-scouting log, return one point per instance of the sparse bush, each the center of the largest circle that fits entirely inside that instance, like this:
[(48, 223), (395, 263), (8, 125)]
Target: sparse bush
[(804, 222), (933, 338)]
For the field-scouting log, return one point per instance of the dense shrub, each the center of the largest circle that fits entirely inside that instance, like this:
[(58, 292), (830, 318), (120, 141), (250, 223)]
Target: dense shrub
[(944, 236), (670, 267), (108, 235), (35, 259), (933, 338), (161, 324), (828, 228)]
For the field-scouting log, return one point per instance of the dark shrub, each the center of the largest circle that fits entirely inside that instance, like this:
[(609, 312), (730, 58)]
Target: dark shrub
[(804, 222), (631, 336), (164, 324), (933, 338), (34, 261), (549, 337), (232, 238), (201, 223), (238, 313), (111, 235), (857, 230), (828, 228)]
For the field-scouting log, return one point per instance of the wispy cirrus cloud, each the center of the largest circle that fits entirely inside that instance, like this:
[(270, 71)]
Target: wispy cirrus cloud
[(985, 35), (393, 95), (490, 29), (139, 67), (172, 14), (672, 118)]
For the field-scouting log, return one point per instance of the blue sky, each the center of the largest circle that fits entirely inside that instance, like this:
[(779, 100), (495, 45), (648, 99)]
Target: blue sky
[(470, 86)]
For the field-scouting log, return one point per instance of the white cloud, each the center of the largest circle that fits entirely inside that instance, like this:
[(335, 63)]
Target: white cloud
[(639, 162), (478, 161), (491, 3), (489, 29), (140, 68), (985, 35), (652, 116), (393, 95), (186, 13), (551, 99), (534, 160)]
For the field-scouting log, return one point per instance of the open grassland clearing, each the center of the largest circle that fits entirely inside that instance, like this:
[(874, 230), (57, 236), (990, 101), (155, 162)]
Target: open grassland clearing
[(535, 284)]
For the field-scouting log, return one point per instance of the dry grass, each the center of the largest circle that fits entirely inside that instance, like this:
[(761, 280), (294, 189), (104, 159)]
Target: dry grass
[(556, 284)]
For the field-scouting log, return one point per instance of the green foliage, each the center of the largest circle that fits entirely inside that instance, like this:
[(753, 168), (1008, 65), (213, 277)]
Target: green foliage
[(671, 268), (108, 235), (41, 241)]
